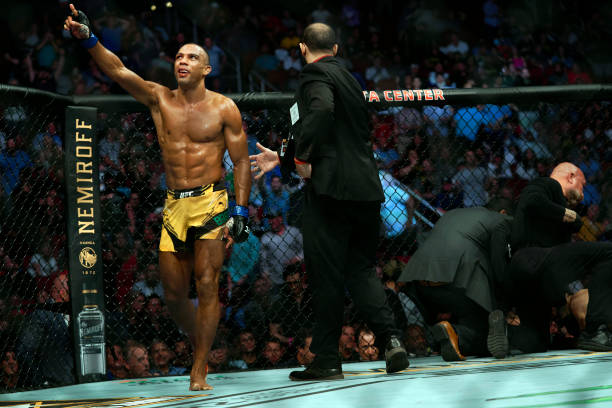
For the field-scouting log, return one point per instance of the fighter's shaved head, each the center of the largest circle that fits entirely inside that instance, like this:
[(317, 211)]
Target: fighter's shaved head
[(319, 37), (195, 48)]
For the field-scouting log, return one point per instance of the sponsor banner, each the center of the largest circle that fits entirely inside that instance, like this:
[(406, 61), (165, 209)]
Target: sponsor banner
[(84, 246), (401, 95)]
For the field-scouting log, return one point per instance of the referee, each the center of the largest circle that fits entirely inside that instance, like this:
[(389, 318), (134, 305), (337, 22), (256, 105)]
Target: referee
[(343, 194)]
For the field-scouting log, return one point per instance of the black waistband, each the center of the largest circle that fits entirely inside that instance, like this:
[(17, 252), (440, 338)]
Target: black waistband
[(196, 191)]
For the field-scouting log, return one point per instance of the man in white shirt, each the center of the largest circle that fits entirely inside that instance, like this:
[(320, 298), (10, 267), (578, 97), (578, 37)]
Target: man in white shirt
[(43, 263), (279, 247)]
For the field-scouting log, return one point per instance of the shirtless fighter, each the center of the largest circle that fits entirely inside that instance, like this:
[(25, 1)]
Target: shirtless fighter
[(194, 127)]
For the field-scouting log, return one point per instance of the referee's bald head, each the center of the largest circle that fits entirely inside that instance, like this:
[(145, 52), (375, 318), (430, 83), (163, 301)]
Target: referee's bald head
[(319, 37)]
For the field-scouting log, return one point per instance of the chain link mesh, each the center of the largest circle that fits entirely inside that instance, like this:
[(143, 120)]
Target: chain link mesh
[(34, 308), (431, 159)]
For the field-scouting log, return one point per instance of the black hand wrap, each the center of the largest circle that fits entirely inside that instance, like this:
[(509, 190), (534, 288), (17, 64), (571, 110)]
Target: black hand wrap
[(238, 224), (82, 19)]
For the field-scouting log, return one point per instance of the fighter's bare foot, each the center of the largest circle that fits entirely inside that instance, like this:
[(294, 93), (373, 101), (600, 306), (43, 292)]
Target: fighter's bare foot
[(199, 385), (198, 381)]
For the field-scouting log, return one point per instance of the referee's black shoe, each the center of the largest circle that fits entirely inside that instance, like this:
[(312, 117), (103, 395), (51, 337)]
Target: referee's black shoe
[(395, 355), (599, 340), (316, 371)]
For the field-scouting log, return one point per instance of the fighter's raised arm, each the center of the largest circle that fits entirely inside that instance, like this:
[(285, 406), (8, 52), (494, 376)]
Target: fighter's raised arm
[(80, 28)]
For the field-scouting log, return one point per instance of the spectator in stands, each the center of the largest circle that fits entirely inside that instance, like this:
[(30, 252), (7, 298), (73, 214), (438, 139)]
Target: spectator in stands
[(365, 345), (46, 340), (111, 29), (42, 263), (244, 260), (150, 284), (51, 131), (491, 16), (304, 356), (246, 351), (376, 72), (275, 197), (438, 118), (216, 57), (257, 309), (137, 359), (592, 227), (291, 311), (116, 366), (273, 354), (7, 320), (50, 154), (12, 161), (468, 121), (415, 341), (281, 246), (266, 60), (126, 322), (321, 14), (558, 76), (162, 358), (293, 64), (135, 214), (290, 39), (395, 213), (218, 358), (472, 178), (156, 324), (577, 76), (455, 46), (182, 353), (412, 170), (350, 15), (109, 150), (346, 344), (10, 377)]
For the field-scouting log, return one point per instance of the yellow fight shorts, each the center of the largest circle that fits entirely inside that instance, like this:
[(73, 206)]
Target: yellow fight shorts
[(197, 213)]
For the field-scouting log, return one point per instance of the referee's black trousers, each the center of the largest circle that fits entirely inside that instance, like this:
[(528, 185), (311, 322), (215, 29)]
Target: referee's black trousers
[(340, 240)]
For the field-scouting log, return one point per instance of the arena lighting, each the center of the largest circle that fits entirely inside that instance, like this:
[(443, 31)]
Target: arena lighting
[(153, 7), (168, 4)]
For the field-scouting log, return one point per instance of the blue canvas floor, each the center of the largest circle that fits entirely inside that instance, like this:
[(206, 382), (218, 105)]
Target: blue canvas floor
[(555, 379)]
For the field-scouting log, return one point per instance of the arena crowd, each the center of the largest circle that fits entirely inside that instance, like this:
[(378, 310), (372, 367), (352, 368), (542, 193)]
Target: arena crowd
[(431, 160)]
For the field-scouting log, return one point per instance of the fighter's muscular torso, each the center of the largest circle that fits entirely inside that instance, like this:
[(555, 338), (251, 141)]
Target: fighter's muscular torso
[(191, 137)]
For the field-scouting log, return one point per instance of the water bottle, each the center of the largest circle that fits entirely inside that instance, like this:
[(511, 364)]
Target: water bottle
[(90, 322)]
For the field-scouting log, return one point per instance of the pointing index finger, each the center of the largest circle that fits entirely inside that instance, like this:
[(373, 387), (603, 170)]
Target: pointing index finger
[(73, 10)]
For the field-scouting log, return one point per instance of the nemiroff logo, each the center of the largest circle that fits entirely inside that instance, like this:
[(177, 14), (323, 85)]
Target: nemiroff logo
[(97, 328)]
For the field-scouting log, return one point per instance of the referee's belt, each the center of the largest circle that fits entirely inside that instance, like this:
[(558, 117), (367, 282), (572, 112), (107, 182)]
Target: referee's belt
[(196, 191)]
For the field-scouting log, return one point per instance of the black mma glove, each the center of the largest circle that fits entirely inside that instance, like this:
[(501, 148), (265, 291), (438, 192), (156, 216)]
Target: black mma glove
[(84, 30), (238, 224)]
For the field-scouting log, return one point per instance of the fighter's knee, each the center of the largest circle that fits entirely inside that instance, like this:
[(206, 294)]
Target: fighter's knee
[(207, 285)]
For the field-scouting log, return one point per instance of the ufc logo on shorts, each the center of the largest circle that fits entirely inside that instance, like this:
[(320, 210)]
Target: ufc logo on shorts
[(185, 194)]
